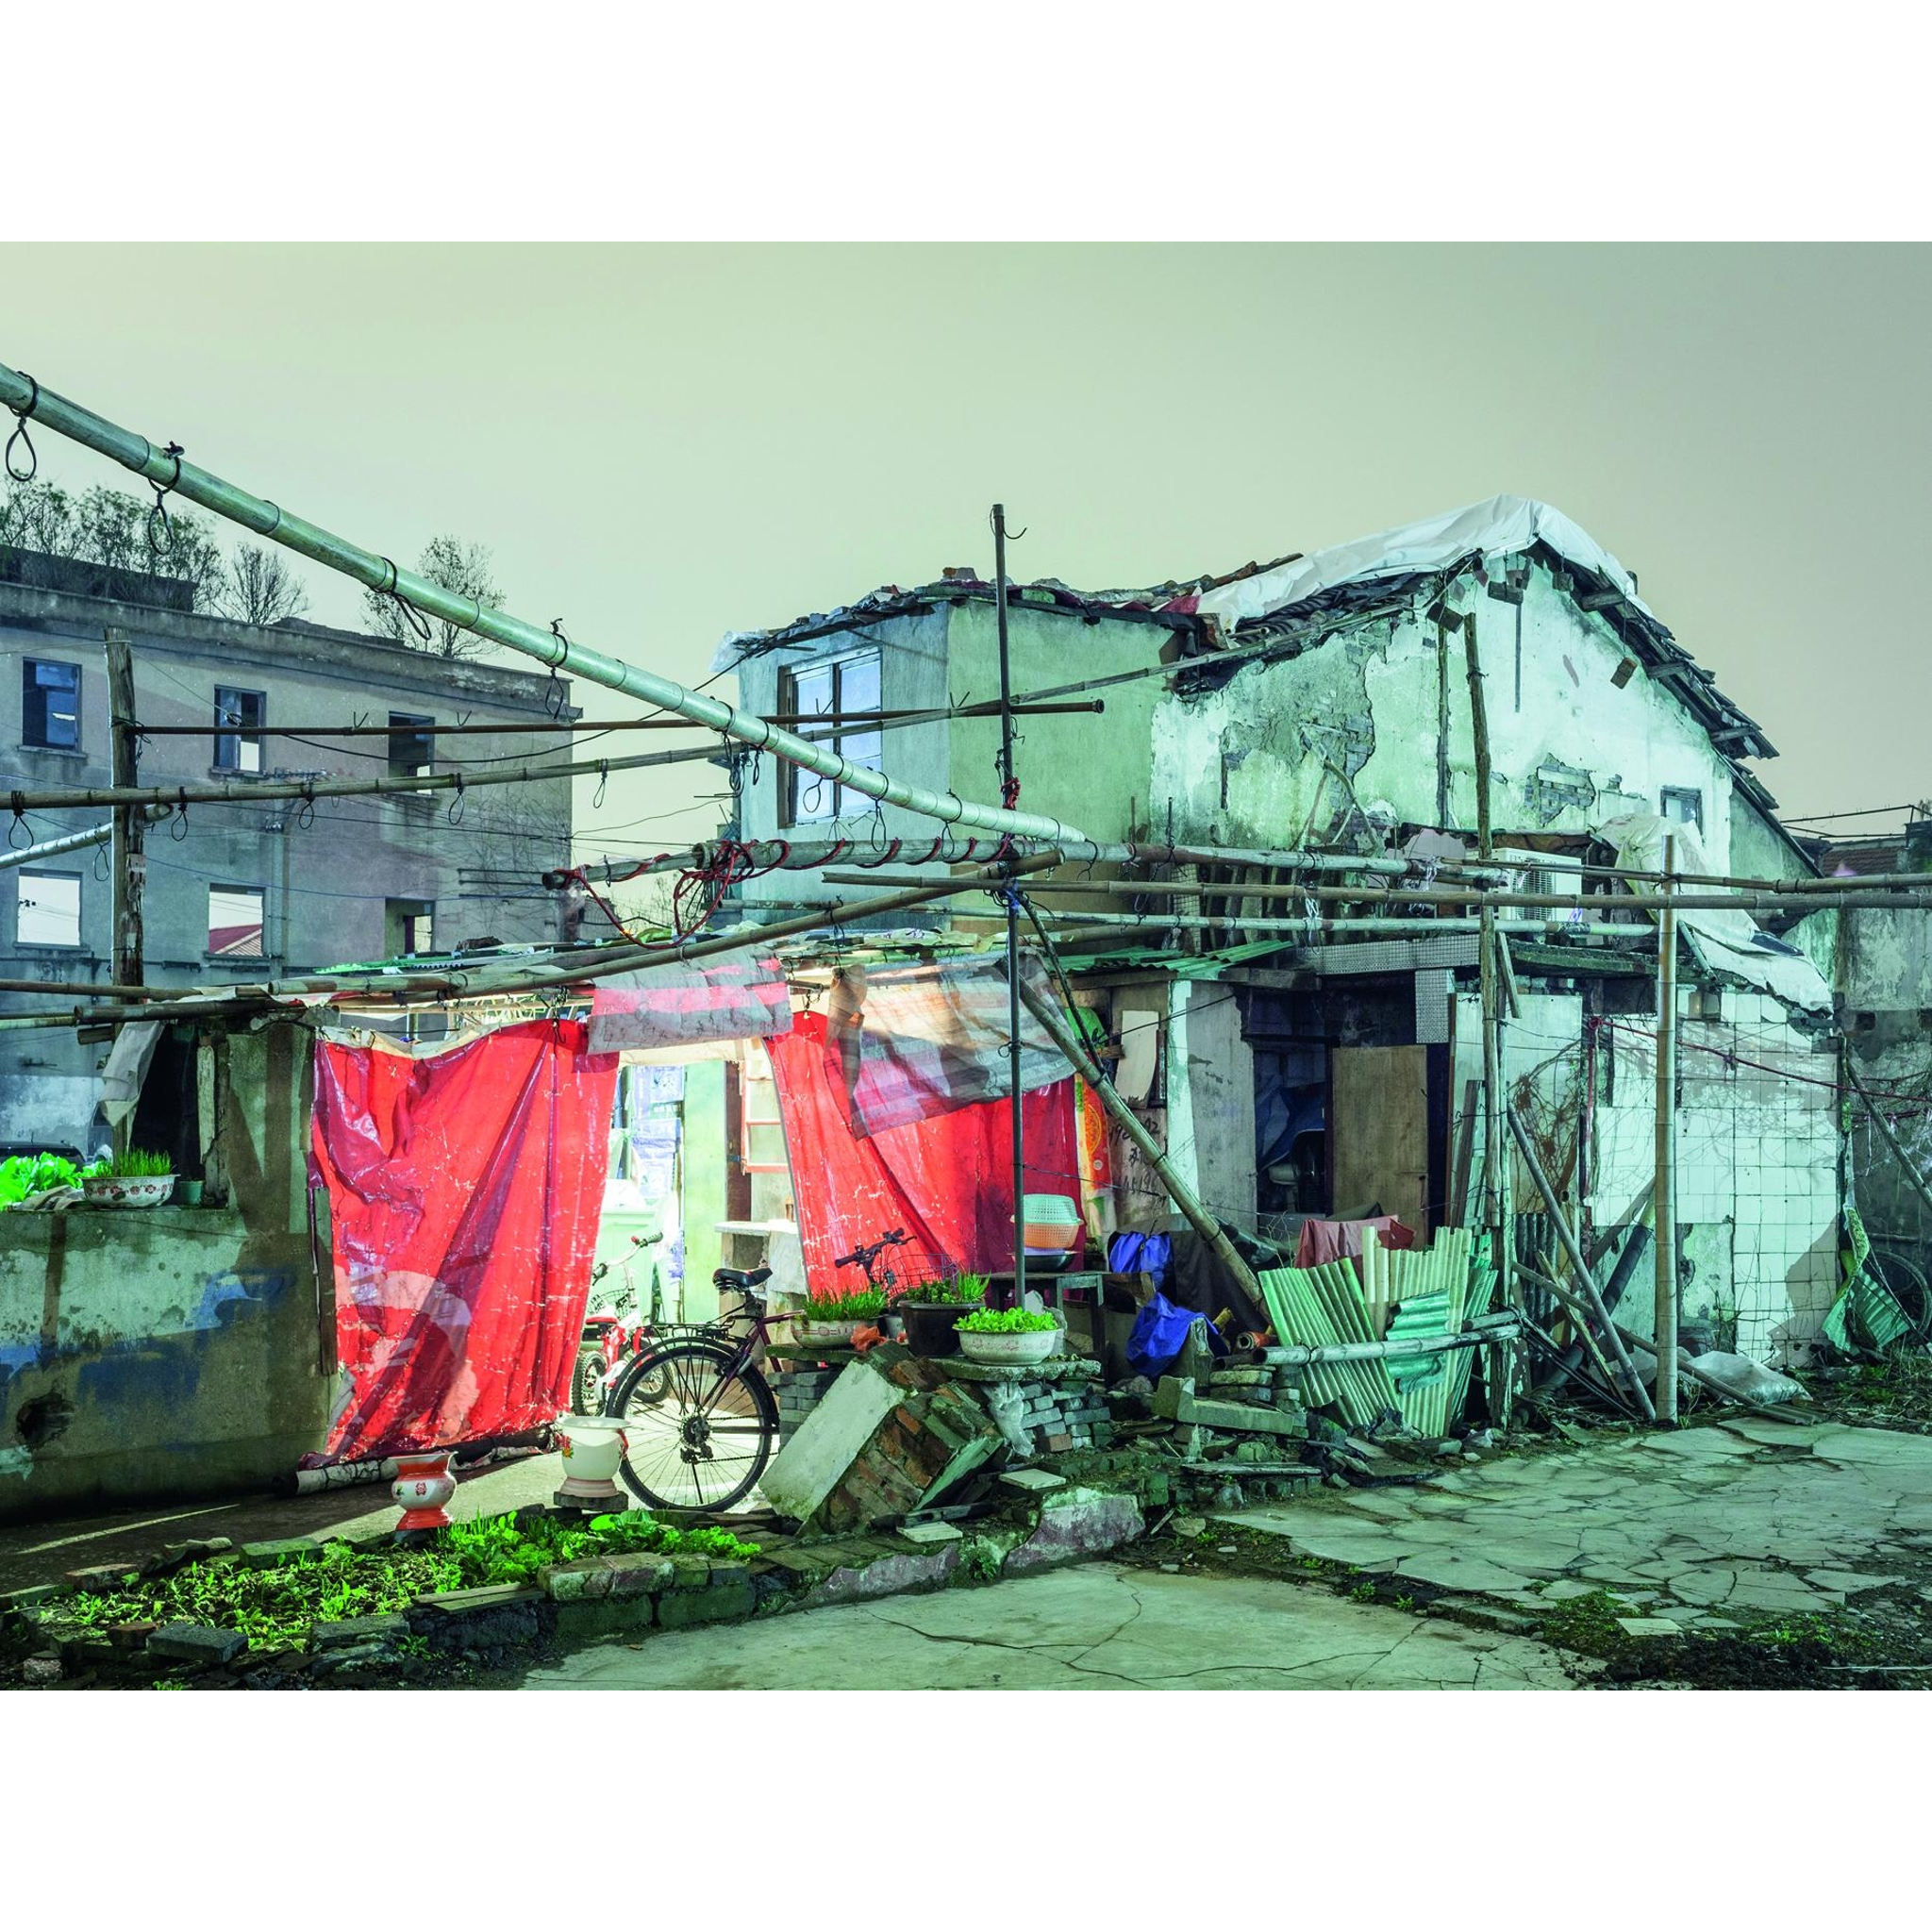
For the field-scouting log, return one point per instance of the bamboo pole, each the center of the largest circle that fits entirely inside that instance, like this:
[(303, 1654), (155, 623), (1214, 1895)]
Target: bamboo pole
[(1666, 1195), (500, 983), (1573, 1248), (129, 822), (818, 720), (1844, 894), (1178, 1190), (170, 469), (1908, 1167)]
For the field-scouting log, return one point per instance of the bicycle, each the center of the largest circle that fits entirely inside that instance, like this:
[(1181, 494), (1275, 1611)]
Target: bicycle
[(695, 1406)]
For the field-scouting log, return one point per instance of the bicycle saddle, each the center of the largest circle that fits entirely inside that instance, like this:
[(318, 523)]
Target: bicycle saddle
[(740, 1277)]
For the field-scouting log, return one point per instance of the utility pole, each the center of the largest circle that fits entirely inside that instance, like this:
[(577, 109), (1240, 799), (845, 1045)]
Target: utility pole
[(1667, 1144), (128, 834), (1009, 792), (131, 821), (1499, 1157)]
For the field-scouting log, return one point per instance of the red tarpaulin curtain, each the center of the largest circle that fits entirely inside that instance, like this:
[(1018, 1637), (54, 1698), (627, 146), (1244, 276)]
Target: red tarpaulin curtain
[(464, 1192), (947, 1181)]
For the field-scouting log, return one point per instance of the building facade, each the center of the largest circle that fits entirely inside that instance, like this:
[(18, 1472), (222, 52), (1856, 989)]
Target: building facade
[(240, 892)]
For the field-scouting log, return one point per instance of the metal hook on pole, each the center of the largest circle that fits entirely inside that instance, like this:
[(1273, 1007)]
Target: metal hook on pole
[(160, 528), (20, 435), (418, 623)]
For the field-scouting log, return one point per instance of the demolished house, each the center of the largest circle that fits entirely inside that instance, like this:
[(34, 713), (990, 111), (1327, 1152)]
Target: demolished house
[(1303, 1052)]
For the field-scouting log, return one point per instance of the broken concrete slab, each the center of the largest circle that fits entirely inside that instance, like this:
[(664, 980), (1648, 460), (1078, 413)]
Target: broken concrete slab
[(1032, 1480), (1649, 1626), (831, 1439)]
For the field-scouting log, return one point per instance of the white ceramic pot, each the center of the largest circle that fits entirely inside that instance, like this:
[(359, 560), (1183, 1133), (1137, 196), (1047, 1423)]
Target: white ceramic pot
[(825, 1334), (127, 1190), (592, 1447), (1009, 1351), (423, 1486)]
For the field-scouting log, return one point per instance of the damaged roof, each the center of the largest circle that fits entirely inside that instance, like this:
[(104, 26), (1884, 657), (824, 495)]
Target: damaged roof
[(1302, 597)]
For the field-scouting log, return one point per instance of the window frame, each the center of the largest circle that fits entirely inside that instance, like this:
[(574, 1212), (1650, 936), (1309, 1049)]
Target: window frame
[(73, 945), (30, 689), (400, 948), (238, 889), (835, 800), (1693, 793), (238, 734)]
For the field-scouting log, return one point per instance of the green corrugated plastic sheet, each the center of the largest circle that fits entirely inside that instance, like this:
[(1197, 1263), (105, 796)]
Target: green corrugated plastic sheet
[(1184, 965), (1446, 1285)]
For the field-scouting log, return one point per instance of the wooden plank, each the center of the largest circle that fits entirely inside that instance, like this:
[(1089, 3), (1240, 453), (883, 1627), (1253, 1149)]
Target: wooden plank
[(1379, 1129)]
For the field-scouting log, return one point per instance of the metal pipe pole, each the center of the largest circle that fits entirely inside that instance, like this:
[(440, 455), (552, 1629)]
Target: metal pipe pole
[(169, 469), (68, 842), (1667, 1147), (1009, 793)]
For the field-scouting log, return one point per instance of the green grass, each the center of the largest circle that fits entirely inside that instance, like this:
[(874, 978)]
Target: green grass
[(865, 1305)]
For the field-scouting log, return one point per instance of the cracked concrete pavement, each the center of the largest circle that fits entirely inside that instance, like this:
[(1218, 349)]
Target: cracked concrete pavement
[(1094, 1627), (1744, 1518)]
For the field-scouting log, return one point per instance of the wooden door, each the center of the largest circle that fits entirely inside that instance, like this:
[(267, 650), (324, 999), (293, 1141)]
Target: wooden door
[(1378, 1130)]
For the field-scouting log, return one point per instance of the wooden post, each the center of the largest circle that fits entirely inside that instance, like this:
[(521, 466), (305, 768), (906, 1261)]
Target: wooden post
[(131, 821), (1667, 1145)]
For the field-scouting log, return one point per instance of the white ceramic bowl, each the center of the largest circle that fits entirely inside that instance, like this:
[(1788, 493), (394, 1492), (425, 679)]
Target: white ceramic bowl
[(127, 1190), (1009, 1351)]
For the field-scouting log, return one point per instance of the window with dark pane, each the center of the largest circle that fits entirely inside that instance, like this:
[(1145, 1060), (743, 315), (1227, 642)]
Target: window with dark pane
[(50, 704), (240, 716)]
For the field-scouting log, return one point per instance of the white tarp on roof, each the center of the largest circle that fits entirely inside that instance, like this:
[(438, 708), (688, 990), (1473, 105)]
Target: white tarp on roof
[(1725, 942), (1500, 526)]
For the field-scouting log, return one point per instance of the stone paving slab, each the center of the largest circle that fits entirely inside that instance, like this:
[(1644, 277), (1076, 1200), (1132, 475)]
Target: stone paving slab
[(1743, 1516)]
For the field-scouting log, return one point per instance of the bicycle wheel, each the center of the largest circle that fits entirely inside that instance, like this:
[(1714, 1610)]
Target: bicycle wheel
[(700, 1436)]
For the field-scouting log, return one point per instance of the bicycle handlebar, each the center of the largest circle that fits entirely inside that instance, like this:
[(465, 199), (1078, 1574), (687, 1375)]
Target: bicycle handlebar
[(860, 1256)]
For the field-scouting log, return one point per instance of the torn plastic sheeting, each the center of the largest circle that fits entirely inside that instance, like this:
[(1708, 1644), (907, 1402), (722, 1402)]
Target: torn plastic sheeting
[(1498, 527), (125, 1068), (464, 1194), (947, 1181), (680, 1006), (911, 1043), (1724, 941)]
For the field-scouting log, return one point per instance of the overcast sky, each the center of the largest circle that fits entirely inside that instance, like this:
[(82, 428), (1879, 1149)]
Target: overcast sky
[(660, 444)]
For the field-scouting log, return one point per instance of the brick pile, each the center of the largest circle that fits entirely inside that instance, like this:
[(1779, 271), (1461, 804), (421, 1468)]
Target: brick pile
[(1260, 1387), (938, 1434), (1068, 1414)]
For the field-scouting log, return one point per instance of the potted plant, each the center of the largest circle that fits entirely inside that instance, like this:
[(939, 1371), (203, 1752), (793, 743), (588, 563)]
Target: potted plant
[(829, 1321), (134, 1179), (1008, 1338), (932, 1307)]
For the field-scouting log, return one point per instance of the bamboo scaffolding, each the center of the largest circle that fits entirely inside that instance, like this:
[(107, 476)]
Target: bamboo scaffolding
[(168, 469)]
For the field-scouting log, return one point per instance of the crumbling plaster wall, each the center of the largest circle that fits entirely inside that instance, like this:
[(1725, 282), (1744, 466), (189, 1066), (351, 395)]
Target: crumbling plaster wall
[(1210, 1098), (1885, 993), (1285, 744), (1757, 1166), (173, 1352)]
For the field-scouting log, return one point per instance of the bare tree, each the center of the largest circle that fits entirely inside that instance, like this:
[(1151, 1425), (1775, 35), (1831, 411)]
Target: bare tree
[(37, 516), (461, 569), (261, 587)]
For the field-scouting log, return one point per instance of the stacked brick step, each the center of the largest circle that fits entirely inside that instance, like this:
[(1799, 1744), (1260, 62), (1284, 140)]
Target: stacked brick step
[(799, 1386)]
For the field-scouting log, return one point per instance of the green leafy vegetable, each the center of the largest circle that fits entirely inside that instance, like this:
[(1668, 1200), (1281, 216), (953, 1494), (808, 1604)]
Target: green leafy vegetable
[(33, 1174), (964, 1291), (1005, 1321)]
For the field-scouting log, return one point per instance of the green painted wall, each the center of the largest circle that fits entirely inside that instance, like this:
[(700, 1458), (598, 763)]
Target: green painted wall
[(703, 1185), (1094, 770)]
